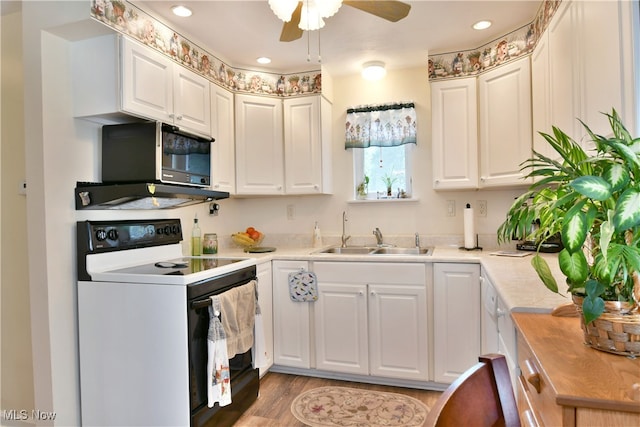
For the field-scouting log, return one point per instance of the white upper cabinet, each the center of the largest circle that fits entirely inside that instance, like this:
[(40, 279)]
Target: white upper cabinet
[(223, 156), (540, 96), (454, 134), (307, 145), (259, 145), (115, 77), (589, 72), (505, 123)]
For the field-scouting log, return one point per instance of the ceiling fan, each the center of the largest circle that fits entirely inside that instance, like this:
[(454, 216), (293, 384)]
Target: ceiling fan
[(391, 10)]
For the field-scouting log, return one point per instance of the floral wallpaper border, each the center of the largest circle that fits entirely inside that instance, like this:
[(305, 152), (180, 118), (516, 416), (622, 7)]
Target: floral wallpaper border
[(499, 51), (127, 19)]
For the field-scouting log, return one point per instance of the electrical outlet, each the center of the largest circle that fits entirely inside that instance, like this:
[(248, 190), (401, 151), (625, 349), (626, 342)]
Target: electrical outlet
[(291, 212), (482, 208), (451, 208)]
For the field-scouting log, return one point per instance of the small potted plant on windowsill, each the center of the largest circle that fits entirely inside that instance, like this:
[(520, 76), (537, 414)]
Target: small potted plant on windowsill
[(362, 190), (389, 180), (592, 200)]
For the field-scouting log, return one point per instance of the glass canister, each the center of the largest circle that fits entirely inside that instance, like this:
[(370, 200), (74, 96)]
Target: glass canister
[(210, 243)]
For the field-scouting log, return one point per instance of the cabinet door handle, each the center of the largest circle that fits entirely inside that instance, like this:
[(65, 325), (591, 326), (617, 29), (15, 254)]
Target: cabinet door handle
[(500, 312), (361, 293), (531, 374), (373, 293), (179, 117)]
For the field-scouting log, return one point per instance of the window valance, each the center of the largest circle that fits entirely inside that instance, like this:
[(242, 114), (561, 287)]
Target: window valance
[(384, 125)]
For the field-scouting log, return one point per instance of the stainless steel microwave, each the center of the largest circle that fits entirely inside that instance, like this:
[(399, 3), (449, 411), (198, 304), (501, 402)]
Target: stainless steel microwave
[(155, 152)]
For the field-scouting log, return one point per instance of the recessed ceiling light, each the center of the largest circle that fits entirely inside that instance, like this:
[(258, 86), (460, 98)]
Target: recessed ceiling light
[(481, 25), (263, 60), (182, 11)]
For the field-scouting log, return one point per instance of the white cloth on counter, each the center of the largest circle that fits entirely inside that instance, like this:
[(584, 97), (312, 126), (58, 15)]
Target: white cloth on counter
[(218, 374), (238, 308)]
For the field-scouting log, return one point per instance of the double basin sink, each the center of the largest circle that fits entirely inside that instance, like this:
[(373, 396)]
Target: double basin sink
[(367, 250)]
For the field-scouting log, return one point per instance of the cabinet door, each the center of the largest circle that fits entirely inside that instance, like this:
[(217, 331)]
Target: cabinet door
[(454, 114), (265, 300), (223, 156), (541, 97), (398, 331), (456, 294), (507, 339), (291, 327), (147, 82), (259, 146), (505, 123), (192, 101), (302, 145), (341, 328)]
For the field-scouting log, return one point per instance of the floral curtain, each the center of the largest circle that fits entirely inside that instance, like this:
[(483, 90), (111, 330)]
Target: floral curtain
[(386, 125)]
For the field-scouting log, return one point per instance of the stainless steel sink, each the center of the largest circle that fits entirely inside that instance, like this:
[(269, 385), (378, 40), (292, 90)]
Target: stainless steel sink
[(365, 250), (349, 250)]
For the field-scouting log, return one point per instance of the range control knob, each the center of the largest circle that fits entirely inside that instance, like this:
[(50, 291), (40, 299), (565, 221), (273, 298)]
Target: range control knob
[(167, 230), (101, 234), (112, 234)]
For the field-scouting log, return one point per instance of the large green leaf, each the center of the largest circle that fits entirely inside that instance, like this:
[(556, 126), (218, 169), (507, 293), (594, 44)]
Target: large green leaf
[(606, 232), (592, 308), (573, 265), (574, 228), (617, 176), (627, 214), (544, 272), (594, 187)]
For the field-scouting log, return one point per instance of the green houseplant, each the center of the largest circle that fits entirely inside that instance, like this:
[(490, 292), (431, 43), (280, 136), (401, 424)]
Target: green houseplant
[(592, 200)]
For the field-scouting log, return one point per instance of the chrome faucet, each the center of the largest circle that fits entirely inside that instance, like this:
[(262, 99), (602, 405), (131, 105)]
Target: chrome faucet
[(378, 235), (417, 240), (344, 236)]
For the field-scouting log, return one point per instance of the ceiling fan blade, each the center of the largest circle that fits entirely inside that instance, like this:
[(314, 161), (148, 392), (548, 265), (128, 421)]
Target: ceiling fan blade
[(391, 10), (290, 30)]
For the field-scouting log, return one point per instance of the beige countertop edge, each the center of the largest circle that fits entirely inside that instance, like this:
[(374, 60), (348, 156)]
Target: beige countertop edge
[(514, 278)]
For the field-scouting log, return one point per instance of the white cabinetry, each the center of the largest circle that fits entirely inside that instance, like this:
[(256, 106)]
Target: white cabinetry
[(265, 300), (454, 114), (223, 160), (540, 96), (307, 145), (259, 145), (589, 72), (505, 123), (115, 76), (291, 321), (456, 310), (371, 319)]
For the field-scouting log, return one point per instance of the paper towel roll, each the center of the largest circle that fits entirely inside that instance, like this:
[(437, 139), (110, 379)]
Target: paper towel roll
[(469, 229)]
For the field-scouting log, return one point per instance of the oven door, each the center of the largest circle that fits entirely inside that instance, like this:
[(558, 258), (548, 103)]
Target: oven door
[(244, 378)]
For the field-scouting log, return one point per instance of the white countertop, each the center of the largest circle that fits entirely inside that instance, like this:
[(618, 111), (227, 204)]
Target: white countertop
[(514, 278)]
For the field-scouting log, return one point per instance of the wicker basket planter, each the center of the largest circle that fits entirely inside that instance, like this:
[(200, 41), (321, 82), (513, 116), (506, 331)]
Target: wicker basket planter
[(617, 330)]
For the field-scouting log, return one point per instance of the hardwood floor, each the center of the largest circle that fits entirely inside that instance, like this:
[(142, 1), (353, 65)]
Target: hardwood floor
[(277, 391)]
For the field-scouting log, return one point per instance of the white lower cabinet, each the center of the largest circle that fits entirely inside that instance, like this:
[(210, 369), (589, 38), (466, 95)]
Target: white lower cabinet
[(265, 300), (371, 319), (456, 310), (291, 321)]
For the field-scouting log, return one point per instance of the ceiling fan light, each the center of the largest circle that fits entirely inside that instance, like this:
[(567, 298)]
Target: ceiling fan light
[(283, 9), (327, 8), (310, 18), (373, 70)]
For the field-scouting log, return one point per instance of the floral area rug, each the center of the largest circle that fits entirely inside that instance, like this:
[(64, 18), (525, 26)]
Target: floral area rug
[(344, 406)]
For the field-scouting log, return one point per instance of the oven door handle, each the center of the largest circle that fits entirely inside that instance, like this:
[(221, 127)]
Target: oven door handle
[(201, 304)]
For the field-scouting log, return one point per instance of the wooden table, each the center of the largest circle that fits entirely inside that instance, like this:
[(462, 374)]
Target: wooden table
[(564, 382)]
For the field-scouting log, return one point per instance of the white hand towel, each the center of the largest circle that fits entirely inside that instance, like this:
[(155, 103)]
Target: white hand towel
[(218, 374)]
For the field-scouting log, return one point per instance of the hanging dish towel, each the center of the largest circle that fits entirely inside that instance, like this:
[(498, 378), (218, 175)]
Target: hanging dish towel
[(303, 286), (238, 308), (218, 375)]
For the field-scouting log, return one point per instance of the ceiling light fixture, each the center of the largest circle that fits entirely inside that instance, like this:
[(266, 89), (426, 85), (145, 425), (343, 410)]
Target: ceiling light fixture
[(312, 14), (181, 11), (481, 25), (263, 60), (373, 70)]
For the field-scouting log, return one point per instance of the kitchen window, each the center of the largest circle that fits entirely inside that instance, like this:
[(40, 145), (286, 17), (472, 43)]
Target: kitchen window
[(382, 139)]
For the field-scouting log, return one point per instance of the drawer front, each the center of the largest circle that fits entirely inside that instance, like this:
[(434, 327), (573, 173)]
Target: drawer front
[(536, 388), (527, 415)]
